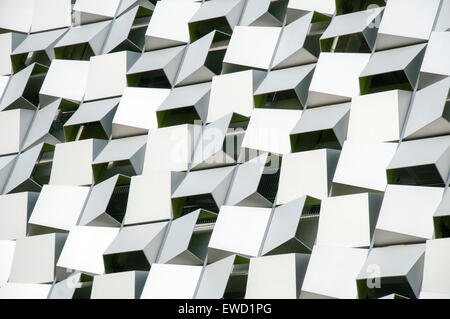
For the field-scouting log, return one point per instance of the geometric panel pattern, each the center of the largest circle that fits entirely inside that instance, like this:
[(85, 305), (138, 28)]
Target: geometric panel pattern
[(215, 149)]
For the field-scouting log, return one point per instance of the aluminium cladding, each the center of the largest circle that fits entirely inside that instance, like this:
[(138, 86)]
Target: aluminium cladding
[(224, 149)]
